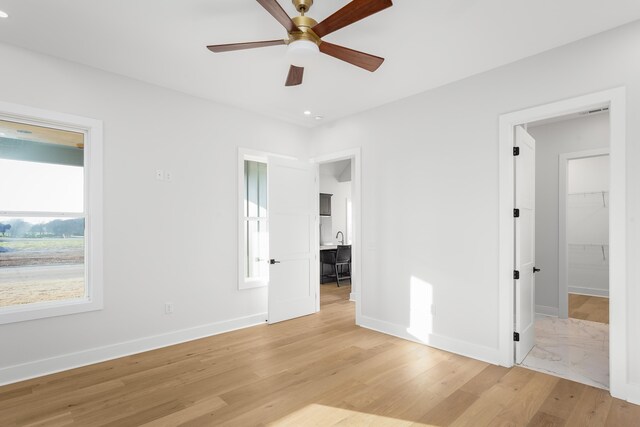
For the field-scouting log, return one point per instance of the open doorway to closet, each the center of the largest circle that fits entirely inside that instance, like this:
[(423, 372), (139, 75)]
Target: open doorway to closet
[(518, 302), (571, 247)]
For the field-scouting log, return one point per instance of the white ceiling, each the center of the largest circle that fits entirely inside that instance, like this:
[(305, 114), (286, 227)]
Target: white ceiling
[(426, 43), (335, 169)]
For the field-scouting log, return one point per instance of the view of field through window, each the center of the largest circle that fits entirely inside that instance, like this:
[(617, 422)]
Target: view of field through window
[(42, 260), (42, 223)]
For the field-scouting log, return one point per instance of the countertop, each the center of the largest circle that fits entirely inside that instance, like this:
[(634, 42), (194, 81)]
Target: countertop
[(329, 247)]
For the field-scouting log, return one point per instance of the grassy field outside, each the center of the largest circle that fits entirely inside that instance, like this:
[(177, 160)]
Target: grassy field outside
[(42, 244), (30, 270), (41, 251)]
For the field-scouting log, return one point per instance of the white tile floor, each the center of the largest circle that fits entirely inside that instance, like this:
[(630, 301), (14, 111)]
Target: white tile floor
[(574, 349)]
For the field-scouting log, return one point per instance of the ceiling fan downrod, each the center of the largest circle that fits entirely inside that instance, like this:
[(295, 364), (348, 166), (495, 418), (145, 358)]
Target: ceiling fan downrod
[(302, 6)]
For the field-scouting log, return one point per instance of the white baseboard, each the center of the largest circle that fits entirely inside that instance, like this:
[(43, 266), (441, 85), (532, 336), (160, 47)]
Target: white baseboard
[(633, 393), (547, 311), (474, 351), (353, 297), (38, 368), (589, 291)]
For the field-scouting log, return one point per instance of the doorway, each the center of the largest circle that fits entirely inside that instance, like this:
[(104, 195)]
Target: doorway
[(570, 289), (278, 230), (615, 101), (583, 220), (335, 230), (339, 226)]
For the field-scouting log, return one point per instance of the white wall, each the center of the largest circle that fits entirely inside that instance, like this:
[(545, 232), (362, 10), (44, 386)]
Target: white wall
[(164, 242), (341, 192), (588, 175), (588, 225), (430, 191), (430, 198), (553, 139)]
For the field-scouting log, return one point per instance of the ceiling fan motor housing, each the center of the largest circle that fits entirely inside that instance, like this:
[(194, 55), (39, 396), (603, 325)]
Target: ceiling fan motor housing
[(305, 25), (302, 6)]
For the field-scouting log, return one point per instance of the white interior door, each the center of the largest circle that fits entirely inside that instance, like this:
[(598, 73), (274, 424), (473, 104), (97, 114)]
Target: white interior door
[(525, 197), (291, 223)]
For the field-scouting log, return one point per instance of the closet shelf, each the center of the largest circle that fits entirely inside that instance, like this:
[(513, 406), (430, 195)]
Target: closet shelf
[(594, 245), (599, 193), (588, 193)]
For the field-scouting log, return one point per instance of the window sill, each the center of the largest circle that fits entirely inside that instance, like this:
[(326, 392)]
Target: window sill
[(252, 284), (35, 311)]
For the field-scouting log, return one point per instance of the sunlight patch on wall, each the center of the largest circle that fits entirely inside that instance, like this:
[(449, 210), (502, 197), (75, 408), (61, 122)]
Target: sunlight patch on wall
[(420, 307)]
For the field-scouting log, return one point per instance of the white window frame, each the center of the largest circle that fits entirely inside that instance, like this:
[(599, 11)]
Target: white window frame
[(255, 156), (93, 214)]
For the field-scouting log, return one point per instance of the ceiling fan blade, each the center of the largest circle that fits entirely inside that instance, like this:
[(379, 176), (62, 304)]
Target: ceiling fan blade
[(274, 8), (295, 76), (352, 12), (359, 59), (217, 48)]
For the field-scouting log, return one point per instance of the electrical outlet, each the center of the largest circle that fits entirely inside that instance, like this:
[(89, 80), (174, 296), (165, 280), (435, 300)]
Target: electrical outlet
[(168, 308), (168, 176), (159, 174)]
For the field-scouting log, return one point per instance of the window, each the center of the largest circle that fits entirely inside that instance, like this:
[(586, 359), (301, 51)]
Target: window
[(50, 239), (253, 224)]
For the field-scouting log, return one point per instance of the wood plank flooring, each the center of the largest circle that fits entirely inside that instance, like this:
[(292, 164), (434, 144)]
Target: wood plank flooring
[(320, 370), (585, 307)]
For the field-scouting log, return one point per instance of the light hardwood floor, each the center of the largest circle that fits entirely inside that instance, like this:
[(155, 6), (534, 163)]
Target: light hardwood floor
[(319, 370), (585, 307)]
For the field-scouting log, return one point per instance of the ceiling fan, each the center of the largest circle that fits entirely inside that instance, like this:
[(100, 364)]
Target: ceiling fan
[(305, 35)]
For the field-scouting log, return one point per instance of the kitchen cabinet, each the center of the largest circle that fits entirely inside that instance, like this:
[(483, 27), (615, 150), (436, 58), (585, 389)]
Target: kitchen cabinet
[(325, 204)]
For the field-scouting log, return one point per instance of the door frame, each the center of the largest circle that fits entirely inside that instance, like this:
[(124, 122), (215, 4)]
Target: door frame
[(616, 100), (354, 154), (563, 244)]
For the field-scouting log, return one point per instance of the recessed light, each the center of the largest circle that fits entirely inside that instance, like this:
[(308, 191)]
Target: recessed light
[(307, 113), (319, 117), (3, 14)]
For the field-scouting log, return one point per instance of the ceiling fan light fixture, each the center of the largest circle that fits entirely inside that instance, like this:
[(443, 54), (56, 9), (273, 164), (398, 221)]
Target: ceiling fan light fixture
[(302, 53), (305, 36)]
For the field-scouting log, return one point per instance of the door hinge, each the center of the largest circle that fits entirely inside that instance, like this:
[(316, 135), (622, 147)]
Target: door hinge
[(516, 151), (516, 336), (516, 213), (516, 274)]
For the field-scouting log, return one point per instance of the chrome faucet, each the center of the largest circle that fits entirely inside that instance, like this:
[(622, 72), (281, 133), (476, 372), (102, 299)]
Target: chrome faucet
[(342, 240)]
